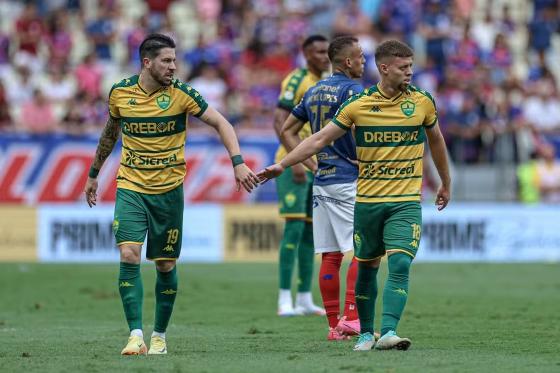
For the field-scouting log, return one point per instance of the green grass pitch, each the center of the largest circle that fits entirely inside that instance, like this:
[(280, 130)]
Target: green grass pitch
[(460, 317)]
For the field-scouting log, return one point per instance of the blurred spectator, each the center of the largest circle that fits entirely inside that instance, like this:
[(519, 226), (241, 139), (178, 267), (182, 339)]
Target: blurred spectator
[(74, 121), (350, 20), (203, 53), (29, 30), (465, 55), (464, 129), (545, 22), (435, 28), (101, 31), (504, 118), (542, 109), (500, 60), (134, 37), (19, 84), (95, 112), (496, 103), (4, 52), (548, 174), (211, 86), (428, 77), (507, 25), (58, 86), (157, 13), (59, 39), (539, 69), (88, 75), (398, 18), (484, 31), (37, 115)]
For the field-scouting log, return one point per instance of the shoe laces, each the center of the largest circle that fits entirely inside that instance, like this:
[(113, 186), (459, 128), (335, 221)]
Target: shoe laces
[(390, 333), (157, 342), (365, 337), (135, 339)]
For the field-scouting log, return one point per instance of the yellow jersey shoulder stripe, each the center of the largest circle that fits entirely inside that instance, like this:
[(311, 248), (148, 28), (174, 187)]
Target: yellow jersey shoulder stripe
[(350, 100), (294, 81), (193, 94), (126, 82), (422, 92)]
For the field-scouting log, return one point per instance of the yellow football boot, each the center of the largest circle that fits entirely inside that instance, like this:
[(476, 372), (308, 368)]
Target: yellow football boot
[(158, 346), (135, 346)]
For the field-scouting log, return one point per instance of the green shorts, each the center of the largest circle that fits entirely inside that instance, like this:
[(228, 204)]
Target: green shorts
[(386, 227), (295, 200), (158, 215)]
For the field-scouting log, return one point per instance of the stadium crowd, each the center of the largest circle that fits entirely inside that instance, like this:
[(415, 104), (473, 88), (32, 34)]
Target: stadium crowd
[(488, 63)]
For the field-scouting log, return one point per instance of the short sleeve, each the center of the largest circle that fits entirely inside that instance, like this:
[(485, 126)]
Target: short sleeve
[(344, 115), (431, 117), (354, 89), (195, 103), (287, 99), (291, 92), (299, 112), (113, 108)]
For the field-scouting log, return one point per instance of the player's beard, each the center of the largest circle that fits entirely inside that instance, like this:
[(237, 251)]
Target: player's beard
[(159, 79)]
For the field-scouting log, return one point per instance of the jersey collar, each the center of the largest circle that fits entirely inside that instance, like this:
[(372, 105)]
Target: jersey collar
[(145, 92), (386, 96)]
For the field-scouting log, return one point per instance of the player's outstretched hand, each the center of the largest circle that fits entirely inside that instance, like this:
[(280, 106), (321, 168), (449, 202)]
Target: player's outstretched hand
[(91, 191), (246, 177), (270, 172), (442, 198)]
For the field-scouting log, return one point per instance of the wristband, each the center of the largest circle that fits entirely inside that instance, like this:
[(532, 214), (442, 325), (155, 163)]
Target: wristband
[(93, 172), (236, 160)]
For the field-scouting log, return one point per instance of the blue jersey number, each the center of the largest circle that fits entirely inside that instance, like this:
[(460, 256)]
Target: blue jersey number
[(319, 112)]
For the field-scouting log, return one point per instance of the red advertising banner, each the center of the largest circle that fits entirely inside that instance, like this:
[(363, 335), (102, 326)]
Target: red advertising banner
[(52, 169)]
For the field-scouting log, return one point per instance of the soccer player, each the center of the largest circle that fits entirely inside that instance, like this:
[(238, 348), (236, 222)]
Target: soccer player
[(151, 111), (294, 188), (334, 187), (392, 120)]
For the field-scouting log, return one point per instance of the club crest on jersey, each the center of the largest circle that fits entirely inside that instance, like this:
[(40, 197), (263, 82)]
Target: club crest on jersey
[(408, 107), (288, 95), (163, 101)]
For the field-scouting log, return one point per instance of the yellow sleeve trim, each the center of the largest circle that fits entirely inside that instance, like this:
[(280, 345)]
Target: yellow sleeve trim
[(431, 124), (340, 124)]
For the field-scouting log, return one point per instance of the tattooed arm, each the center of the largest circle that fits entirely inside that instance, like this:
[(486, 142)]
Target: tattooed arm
[(107, 141)]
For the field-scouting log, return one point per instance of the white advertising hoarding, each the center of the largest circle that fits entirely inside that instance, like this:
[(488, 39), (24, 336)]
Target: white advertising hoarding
[(76, 233), (461, 232), (490, 233)]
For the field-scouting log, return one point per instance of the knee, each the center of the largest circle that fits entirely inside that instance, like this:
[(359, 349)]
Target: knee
[(374, 263), (399, 264), (165, 265), (130, 253)]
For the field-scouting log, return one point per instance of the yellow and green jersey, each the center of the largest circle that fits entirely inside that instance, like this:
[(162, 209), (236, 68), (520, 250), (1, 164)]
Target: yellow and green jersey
[(293, 88), (153, 133), (390, 134)]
